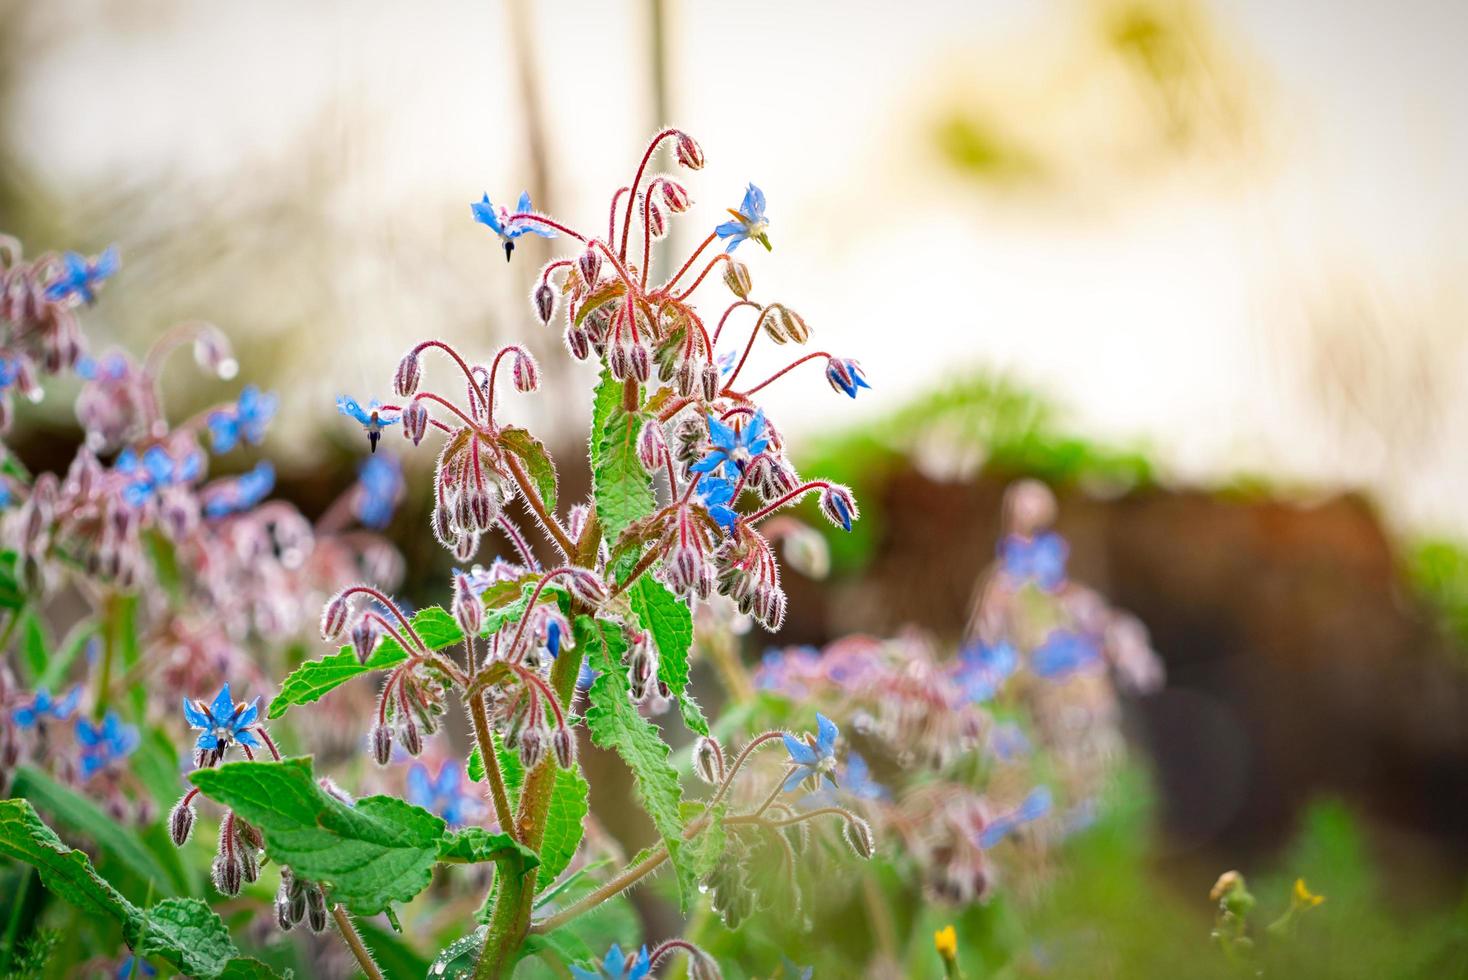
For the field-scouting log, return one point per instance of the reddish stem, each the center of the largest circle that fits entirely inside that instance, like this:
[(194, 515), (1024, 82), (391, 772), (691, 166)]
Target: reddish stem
[(721, 257), (543, 220), (795, 494), (463, 365), (720, 328), (691, 259), (782, 372), (636, 181)]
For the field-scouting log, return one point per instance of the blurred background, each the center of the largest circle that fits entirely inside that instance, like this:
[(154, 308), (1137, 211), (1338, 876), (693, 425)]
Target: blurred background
[(1199, 266)]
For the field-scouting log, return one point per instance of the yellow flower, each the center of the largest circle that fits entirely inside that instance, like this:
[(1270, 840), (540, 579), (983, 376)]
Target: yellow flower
[(945, 940), (1304, 897)]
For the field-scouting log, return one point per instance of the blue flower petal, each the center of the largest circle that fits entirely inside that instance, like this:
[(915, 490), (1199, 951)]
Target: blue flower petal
[(800, 753)]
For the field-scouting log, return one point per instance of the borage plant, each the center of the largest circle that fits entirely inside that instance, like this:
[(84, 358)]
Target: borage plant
[(685, 468)]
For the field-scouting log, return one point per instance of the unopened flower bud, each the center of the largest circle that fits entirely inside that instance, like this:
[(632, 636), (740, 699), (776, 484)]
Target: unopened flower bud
[(364, 639), (228, 874), (793, 325), (409, 373), (382, 744), (415, 421), (640, 361), (525, 372), (619, 362), (589, 265), (316, 908), (532, 747), (466, 546), (588, 587), (657, 221), (706, 761), (839, 506), (677, 196), (578, 343), (652, 447), (545, 302), (685, 378), (711, 380), (212, 352), (468, 607), (282, 908), (563, 743), (249, 865), (736, 277), (334, 616), (769, 606), (858, 834), (689, 153), (806, 551), (181, 823), (411, 736), (702, 966)]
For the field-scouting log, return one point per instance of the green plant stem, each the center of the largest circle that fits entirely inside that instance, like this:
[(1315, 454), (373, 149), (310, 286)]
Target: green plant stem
[(354, 942), (12, 928), (532, 499), (491, 763), (110, 626)]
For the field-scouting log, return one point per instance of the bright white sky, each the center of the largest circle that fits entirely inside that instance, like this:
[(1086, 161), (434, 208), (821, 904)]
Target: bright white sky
[(1160, 305)]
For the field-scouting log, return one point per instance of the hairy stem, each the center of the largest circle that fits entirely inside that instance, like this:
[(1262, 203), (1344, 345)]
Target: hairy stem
[(354, 942), (492, 774)]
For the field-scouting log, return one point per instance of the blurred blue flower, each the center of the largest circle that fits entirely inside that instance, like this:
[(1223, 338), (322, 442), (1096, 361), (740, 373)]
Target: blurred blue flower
[(1062, 653), (225, 497), (81, 276), (112, 367), (1008, 742), (749, 224), (1034, 806), (245, 421), (104, 744), (447, 795), (154, 471), (717, 495), (616, 966), (813, 762), (42, 706), (222, 723), (506, 227), (982, 669), (736, 447), (132, 967), (372, 418), (379, 482), (856, 779), (1040, 559), (9, 372)]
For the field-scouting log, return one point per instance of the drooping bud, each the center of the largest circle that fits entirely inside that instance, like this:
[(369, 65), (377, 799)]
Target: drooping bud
[(793, 325), (858, 834), (228, 874), (689, 153), (468, 607), (702, 966), (382, 744), (706, 760), (619, 362), (769, 606), (545, 302), (316, 908), (181, 823), (807, 552), (525, 371), (640, 360), (411, 736), (711, 381), (212, 352), (685, 379), (415, 421), (578, 343), (563, 743), (839, 506), (677, 196), (682, 568), (657, 222), (466, 546), (282, 908), (589, 266), (249, 865), (652, 447), (409, 373), (364, 638), (736, 277), (532, 746), (588, 587), (334, 616)]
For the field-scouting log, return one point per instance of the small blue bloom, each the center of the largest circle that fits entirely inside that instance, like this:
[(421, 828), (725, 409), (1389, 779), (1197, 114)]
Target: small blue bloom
[(508, 228), (9, 372), (813, 762), (245, 421), (154, 471), (616, 966), (104, 744), (717, 495), (857, 780), (372, 418), (846, 376), (223, 723), (736, 447), (982, 669), (446, 795), (82, 276), (379, 484), (42, 707), (1034, 806), (113, 367), (1062, 653), (1040, 559), (132, 967), (553, 638), (235, 496), (749, 224)]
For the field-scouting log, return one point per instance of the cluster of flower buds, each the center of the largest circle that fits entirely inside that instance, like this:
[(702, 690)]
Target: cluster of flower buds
[(297, 900)]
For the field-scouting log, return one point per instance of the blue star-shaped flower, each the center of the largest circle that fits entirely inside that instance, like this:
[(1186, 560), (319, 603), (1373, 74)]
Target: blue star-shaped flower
[(245, 421), (372, 418), (1035, 806), (813, 762), (82, 276), (616, 966), (506, 227), (445, 795), (379, 484), (736, 447), (846, 376), (154, 471), (717, 495), (982, 669), (1062, 653), (222, 723), (235, 496), (749, 224), (104, 744), (1040, 559), (42, 706)]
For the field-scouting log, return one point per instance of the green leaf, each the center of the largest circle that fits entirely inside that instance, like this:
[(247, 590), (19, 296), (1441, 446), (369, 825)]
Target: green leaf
[(615, 723), (599, 297), (34, 645), (71, 647), (12, 595), (565, 816), (378, 851), (537, 461), (115, 845), (623, 489), (667, 618), (474, 845), (707, 846), (185, 932), (247, 968), (315, 678)]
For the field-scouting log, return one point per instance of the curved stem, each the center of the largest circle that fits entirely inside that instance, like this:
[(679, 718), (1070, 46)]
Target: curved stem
[(543, 220), (463, 365), (721, 257), (732, 307), (691, 259), (480, 720), (533, 501), (793, 495), (354, 942), (612, 217), (387, 603), (783, 371), (750, 345), (637, 180)]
